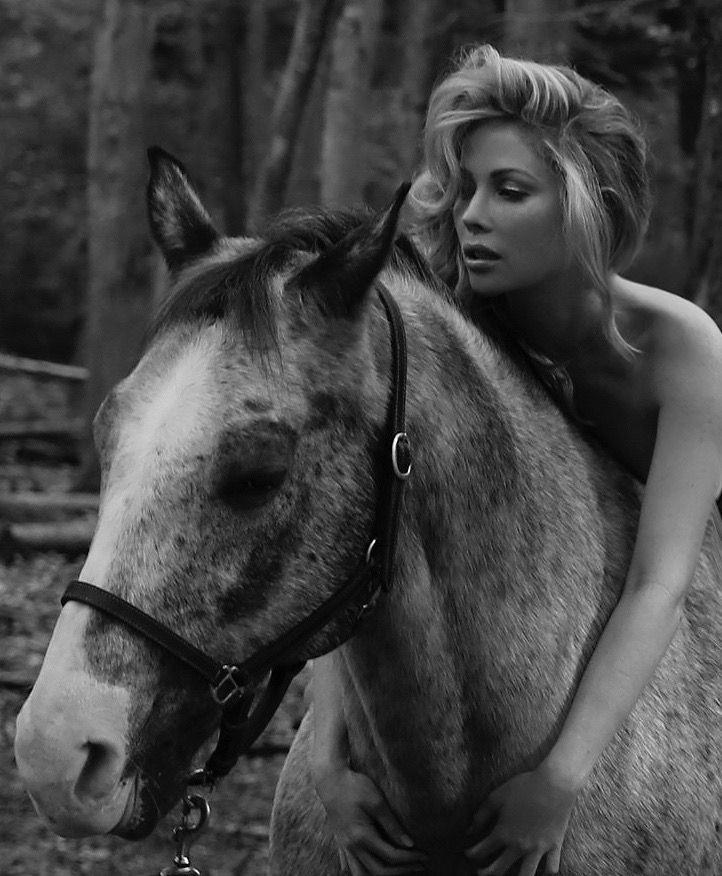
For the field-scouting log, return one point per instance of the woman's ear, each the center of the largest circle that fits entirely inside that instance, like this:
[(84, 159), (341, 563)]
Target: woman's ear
[(178, 220)]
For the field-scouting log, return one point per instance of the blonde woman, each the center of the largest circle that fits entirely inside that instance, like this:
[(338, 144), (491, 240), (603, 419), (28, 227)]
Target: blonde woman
[(533, 199)]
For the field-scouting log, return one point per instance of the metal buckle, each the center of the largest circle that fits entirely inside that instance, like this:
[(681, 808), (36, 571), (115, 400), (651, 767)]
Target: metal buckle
[(228, 684), (406, 447), (370, 603)]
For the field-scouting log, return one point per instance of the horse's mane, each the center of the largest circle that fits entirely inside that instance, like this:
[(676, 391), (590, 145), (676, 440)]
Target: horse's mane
[(237, 289)]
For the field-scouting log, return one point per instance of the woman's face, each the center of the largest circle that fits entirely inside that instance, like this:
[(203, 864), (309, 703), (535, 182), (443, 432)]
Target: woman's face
[(508, 215)]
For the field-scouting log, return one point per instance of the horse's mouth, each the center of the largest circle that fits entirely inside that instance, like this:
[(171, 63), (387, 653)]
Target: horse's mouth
[(141, 813)]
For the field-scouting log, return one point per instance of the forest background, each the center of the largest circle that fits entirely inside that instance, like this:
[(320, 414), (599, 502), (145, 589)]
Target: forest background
[(272, 103), (269, 103)]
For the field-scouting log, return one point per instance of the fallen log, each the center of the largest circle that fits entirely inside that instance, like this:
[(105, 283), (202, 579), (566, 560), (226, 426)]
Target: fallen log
[(62, 430), (71, 538), (37, 451), (24, 507), (16, 681), (39, 368)]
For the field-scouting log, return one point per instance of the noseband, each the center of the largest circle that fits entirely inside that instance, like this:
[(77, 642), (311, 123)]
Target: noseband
[(233, 685)]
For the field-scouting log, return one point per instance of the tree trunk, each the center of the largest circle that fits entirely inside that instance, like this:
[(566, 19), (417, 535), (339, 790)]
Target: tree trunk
[(416, 80), (253, 88), (119, 287), (229, 117), (538, 29), (705, 276), (312, 26), (343, 164)]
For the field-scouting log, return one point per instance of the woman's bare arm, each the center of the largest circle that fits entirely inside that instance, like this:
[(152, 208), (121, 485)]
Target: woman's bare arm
[(330, 740), (369, 836), (683, 483), (531, 811)]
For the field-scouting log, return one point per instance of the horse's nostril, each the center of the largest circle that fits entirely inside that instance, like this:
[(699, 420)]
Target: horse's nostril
[(101, 771)]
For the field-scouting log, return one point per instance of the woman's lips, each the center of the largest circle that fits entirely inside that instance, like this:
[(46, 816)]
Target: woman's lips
[(478, 257)]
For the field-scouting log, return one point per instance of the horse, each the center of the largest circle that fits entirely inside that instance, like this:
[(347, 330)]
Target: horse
[(240, 474)]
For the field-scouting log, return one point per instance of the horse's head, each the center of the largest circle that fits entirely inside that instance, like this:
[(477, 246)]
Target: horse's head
[(238, 492)]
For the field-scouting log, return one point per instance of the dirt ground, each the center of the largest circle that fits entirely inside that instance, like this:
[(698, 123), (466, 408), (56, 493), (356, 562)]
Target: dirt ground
[(236, 840)]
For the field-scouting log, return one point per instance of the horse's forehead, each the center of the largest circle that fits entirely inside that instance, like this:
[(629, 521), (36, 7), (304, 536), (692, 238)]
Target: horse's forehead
[(173, 408)]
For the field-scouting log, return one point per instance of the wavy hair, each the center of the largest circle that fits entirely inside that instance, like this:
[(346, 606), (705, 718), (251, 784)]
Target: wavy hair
[(590, 141)]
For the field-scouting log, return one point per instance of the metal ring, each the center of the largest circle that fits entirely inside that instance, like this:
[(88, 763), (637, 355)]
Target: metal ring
[(201, 805), (394, 455)]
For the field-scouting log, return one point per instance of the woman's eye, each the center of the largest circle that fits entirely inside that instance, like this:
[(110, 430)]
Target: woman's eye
[(511, 194)]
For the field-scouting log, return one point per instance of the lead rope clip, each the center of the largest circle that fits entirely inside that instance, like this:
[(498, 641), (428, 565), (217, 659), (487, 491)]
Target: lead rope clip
[(185, 834)]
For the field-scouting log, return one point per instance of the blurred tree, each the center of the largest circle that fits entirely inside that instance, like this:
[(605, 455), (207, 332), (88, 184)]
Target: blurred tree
[(705, 277), (538, 29), (343, 169), (254, 88), (313, 24), (237, 133), (416, 78), (119, 288), (44, 82)]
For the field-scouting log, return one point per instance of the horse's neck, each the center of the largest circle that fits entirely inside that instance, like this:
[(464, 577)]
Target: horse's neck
[(463, 673), (412, 675)]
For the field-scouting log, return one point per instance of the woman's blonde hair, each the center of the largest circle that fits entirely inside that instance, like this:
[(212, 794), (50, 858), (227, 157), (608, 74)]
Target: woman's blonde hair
[(585, 134)]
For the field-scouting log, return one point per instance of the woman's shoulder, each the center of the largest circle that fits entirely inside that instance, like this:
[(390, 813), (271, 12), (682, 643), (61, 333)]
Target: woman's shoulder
[(665, 322), (681, 343)]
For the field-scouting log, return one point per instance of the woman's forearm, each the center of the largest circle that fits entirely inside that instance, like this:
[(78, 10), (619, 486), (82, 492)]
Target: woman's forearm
[(330, 743), (636, 636)]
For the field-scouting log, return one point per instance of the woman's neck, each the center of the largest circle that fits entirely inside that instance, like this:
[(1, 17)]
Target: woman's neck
[(565, 324)]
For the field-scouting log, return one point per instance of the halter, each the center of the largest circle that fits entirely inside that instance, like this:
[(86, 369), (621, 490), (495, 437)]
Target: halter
[(233, 685)]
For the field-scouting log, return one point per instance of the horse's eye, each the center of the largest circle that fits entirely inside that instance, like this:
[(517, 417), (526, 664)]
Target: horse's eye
[(251, 488)]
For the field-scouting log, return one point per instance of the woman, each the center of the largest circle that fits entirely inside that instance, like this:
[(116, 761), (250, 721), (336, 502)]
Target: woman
[(533, 198)]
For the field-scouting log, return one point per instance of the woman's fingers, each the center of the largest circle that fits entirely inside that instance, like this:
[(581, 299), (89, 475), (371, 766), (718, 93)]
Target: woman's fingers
[(482, 819), (554, 860), (501, 864), (529, 867), (392, 855), (376, 867), (485, 848), (390, 825)]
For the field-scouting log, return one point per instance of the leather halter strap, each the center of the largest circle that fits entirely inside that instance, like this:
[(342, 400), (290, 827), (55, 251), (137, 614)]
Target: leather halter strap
[(233, 684)]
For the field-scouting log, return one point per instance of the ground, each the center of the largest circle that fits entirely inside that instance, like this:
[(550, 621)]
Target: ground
[(236, 841)]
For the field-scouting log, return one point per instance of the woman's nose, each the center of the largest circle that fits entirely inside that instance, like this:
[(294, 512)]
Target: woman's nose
[(476, 214)]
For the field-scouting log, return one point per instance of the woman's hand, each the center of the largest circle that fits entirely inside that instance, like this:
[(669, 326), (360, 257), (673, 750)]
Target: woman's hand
[(370, 838), (530, 814)]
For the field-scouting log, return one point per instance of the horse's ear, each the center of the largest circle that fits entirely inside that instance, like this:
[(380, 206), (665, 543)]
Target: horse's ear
[(178, 220), (341, 277)]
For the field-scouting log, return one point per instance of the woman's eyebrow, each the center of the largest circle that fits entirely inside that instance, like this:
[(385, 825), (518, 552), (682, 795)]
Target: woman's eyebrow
[(505, 171)]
